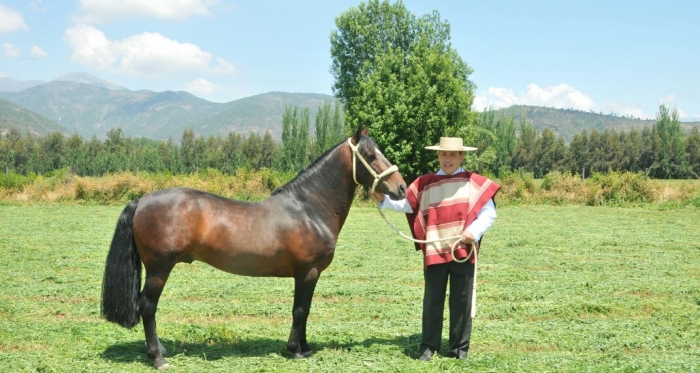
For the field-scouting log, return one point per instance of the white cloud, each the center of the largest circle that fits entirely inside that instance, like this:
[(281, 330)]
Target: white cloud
[(38, 52), (10, 20), (562, 96), (90, 47), (39, 6), (110, 10), (146, 54), (224, 67), (200, 86), (9, 50), (670, 98)]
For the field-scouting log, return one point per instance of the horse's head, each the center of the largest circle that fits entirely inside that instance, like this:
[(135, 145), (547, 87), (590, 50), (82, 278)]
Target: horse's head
[(373, 169)]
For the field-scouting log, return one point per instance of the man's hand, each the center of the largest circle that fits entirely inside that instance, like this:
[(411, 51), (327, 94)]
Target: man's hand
[(379, 197), (468, 237)]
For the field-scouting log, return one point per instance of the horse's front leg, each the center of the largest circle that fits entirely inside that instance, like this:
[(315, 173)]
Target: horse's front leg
[(304, 285)]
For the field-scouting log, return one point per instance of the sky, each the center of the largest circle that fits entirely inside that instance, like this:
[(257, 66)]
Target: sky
[(609, 56)]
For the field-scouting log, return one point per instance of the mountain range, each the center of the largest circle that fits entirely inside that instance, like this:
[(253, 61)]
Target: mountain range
[(83, 104)]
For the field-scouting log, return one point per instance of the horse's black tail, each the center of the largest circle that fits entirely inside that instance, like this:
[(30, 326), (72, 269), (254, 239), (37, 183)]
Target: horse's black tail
[(122, 280)]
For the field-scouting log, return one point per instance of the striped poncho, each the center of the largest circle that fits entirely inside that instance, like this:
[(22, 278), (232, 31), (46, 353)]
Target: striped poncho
[(443, 206)]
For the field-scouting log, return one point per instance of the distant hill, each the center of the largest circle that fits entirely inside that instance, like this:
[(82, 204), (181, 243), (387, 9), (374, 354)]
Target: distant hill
[(81, 103), (26, 121), (15, 85), (568, 122), (91, 110), (260, 113), (90, 106), (89, 79)]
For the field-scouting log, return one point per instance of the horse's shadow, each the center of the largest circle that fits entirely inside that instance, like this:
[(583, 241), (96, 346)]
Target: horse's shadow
[(257, 347)]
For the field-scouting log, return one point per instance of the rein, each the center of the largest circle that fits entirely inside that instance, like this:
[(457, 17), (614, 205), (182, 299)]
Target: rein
[(355, 155), (453, 246), (377, 177), (474, 251)]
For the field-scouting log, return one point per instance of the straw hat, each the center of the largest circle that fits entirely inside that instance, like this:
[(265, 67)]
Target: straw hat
[(451, 144)]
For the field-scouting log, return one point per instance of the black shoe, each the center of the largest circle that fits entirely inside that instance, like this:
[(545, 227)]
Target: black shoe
[(426, 355), (460, 354)]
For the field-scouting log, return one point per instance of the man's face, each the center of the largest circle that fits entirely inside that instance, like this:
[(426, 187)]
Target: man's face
[(450, 161)]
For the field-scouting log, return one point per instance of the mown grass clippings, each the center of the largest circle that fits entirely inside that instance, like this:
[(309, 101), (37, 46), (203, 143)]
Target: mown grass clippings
[(561, 289)]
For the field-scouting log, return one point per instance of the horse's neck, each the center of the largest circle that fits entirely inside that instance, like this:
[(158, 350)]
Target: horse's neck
[(327, 188), (332, 184)]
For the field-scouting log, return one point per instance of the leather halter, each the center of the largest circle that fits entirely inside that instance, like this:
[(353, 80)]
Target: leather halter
[(356, 154)]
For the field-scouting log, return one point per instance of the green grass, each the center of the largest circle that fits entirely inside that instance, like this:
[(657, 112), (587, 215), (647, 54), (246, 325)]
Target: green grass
[(561, 289)]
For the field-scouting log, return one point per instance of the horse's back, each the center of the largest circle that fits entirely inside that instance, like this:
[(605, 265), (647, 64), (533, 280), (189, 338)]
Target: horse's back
[(170, 221), (239, 237)]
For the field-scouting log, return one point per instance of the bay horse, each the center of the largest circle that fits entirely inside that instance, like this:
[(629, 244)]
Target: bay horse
[(293, 233)]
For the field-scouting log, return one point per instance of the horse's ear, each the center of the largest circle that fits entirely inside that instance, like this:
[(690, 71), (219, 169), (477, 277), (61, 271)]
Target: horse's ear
[(361, 130)]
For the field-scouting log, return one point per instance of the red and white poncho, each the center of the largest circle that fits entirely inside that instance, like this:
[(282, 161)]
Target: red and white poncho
[(443, 206)]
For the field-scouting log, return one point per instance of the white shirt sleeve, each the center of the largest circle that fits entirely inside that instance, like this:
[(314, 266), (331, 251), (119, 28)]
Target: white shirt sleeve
[(483, 220), (478, 227), (401, 205)]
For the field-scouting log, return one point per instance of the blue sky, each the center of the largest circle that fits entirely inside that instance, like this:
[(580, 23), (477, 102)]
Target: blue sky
[(623, 57)]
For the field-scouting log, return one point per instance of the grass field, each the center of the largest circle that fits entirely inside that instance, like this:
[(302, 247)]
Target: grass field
[(561, 289)]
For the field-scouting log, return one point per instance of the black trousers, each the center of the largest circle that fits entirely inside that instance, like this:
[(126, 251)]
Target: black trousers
[(461, 279)]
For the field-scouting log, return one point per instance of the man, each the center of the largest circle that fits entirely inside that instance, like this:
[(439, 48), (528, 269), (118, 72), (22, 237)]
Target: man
[(440, 206)]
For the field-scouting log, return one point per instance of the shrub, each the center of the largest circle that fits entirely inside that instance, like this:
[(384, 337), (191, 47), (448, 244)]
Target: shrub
[(560, 188), (516, 188), (116, 188), (13, 181), (615, 189)]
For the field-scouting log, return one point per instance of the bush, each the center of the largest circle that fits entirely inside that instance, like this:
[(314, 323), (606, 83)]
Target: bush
[(15, 182), (559, 188), (615, 189), (117, 188), (516, 188)]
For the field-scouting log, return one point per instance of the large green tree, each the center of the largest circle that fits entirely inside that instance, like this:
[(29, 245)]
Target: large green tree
[(399, 74)]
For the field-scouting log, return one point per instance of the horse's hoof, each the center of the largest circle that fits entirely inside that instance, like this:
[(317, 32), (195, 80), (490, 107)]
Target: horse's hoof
[(161, 364), (302, 355)]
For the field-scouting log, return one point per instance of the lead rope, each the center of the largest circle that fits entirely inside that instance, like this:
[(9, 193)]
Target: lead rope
[(474, 251), (394, 168)]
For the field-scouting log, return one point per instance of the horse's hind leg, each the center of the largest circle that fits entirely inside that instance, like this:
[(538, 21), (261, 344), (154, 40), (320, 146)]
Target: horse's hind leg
[(304, 286), (148, 305)]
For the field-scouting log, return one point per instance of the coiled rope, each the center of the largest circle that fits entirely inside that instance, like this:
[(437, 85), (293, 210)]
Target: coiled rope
[(474, 251)]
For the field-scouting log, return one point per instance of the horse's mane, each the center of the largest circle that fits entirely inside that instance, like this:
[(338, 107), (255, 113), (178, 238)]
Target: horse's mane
[(319, 163)]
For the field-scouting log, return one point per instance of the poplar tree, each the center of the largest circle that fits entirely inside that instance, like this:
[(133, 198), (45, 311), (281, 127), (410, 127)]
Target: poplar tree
[(295, 139), (672, 163)]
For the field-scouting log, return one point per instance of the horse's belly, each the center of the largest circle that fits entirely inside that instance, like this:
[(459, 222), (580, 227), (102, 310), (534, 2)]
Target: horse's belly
[(239, 262)]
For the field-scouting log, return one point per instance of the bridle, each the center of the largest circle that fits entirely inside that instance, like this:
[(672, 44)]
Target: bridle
[(377, 177)]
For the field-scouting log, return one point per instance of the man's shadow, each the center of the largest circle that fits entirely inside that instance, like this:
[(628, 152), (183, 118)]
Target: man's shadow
[(256, 347)]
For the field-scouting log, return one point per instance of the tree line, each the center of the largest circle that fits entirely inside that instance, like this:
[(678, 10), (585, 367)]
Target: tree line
[(662, 150), (27, 155), (506, 145)]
